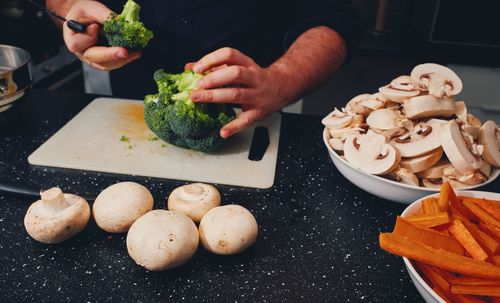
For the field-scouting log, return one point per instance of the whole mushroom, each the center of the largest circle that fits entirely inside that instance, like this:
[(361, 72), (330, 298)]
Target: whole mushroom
[(119, 205), (227, 230), (56, 217), (194, 200), (162, 239)]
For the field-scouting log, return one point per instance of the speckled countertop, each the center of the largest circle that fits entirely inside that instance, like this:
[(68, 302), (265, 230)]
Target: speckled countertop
[(318, 237)]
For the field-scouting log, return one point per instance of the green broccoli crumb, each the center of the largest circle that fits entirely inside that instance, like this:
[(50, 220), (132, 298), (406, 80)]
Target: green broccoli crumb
[(124, 138)]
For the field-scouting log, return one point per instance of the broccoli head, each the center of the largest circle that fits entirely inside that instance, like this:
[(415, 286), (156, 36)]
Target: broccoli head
[(126, 30), (176, 119)]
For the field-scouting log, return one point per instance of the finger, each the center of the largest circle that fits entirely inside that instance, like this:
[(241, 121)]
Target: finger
[(230, 75), (111, 65), (222, 95), (189, 66), (78, 42), (226, 55), (101, 54), (244, 120)]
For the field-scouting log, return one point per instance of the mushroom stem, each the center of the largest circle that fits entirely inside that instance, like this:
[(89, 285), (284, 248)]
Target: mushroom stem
[(54, 200)]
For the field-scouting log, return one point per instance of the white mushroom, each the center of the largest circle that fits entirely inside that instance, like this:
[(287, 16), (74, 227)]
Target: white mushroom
[(421, 140), (402, 175), (467, 179), (336, 143), (119, 205), (432, 183), (428, 106), (438, 80), (354, 105), (162, 239), (384, 119), (194, 200), (228, 230), (461, 111), (399, 89), (463, 154), (473, 120), (435, 171), (454, 183), (56, 217), (338, 119), (370, 153), (489, 137), (423, 162), (485, 168)]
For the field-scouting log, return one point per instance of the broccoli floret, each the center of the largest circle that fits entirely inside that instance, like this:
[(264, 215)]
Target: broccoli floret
[(176, 119), (126, 30)]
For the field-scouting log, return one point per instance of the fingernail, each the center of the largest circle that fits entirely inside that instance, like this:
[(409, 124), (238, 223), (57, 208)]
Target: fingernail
[(195, 96), (121, 54), (197, 68)]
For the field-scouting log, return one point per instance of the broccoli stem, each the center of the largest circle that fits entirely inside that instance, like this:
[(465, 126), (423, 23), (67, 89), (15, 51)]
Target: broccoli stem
[(131, 11)]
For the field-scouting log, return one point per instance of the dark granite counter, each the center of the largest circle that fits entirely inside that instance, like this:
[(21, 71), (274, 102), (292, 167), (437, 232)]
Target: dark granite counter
[(318, 237)]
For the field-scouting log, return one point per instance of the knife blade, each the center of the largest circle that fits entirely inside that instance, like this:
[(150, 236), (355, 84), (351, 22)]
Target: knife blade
[(29, 190), (75, 26)]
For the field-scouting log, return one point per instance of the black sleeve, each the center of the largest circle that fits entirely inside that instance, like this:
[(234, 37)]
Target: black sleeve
[(339, 15)]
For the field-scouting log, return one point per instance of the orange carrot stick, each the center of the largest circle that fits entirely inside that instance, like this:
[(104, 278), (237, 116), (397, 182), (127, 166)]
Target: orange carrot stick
[(430, 206), (491, 229), (427, 236), (481, 214), (495, 260), (490, 245), (464, 280), (479, 290), (490, 206), (433, 276), (445, 194), (402, 246), (462, 234), (442, 294), (430, 220)]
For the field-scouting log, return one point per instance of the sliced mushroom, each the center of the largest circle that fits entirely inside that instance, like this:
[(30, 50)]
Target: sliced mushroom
[(336, 143), (337, 119), (435, 171), (454, 183), (384, 119), (489, 137), (428, 106), (461, 153), (468, 130), (354, 105), (399, 89), (438, 80), (468, 179), (370, 153), (402, 175), (423, 162), (431, 183), (421, 140), (461, 111), (344, 132), (485, 168), (473, 120)]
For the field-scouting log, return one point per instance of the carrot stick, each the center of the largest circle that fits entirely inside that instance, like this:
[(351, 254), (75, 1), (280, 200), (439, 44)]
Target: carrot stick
[(463, 280), (490, 206), (462, 234), (479, 290), (495, 260), (441, 293), (430, 206), (427, 236), (482, 215), (431, 220), (491, 229), (433, 276), (490, 245), (445, 194), (402, 246)]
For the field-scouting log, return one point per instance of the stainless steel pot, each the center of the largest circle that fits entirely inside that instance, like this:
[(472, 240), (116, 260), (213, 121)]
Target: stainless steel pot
[(15, 75)]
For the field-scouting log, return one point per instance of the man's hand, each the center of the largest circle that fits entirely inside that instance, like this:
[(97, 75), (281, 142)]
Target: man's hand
[(83, 45), (235, 78)]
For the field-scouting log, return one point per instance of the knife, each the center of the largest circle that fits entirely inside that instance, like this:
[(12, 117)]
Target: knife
[(28, 190), (75, 26)]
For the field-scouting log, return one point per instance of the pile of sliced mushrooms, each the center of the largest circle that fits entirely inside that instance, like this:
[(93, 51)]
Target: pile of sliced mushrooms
[(414, 132), (156, 239)]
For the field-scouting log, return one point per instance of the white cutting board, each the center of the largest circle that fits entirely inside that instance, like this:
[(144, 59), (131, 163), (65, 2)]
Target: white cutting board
[(91, 141)]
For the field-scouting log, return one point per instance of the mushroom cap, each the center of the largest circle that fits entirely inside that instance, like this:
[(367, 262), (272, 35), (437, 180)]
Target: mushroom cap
[(119, 205), (402, 175), (399, 89), (337, 119), (162, 239), (423, 162), (354, 106), (56, 217), (384, 119), (417, 144), (428, 106), (456, 149), (194, 200), (227, 230), (435, 171), (466, 179), (336, 143), (437, 79), (489, 137), (370, 153)]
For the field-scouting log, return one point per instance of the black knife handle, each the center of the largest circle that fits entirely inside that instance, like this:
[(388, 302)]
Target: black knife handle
[(19, 189), (76, 26)]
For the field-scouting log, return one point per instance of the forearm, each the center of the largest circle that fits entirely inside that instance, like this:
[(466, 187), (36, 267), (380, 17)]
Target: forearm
[(310, 60)]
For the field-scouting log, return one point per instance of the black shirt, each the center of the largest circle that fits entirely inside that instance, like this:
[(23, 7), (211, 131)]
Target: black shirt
[(185, 31)]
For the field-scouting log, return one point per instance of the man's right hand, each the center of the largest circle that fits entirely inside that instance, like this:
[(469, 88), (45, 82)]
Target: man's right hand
[(83, 45)]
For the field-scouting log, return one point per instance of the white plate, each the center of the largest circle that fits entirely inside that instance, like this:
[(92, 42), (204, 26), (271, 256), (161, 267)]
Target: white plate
[(423, 288), (385, 188)]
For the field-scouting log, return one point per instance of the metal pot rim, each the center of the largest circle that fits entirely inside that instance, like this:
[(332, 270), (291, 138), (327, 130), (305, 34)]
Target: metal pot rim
[(26, 62)]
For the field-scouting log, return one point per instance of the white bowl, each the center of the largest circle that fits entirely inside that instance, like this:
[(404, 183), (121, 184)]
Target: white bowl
[(385, 188), (423, 288)]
